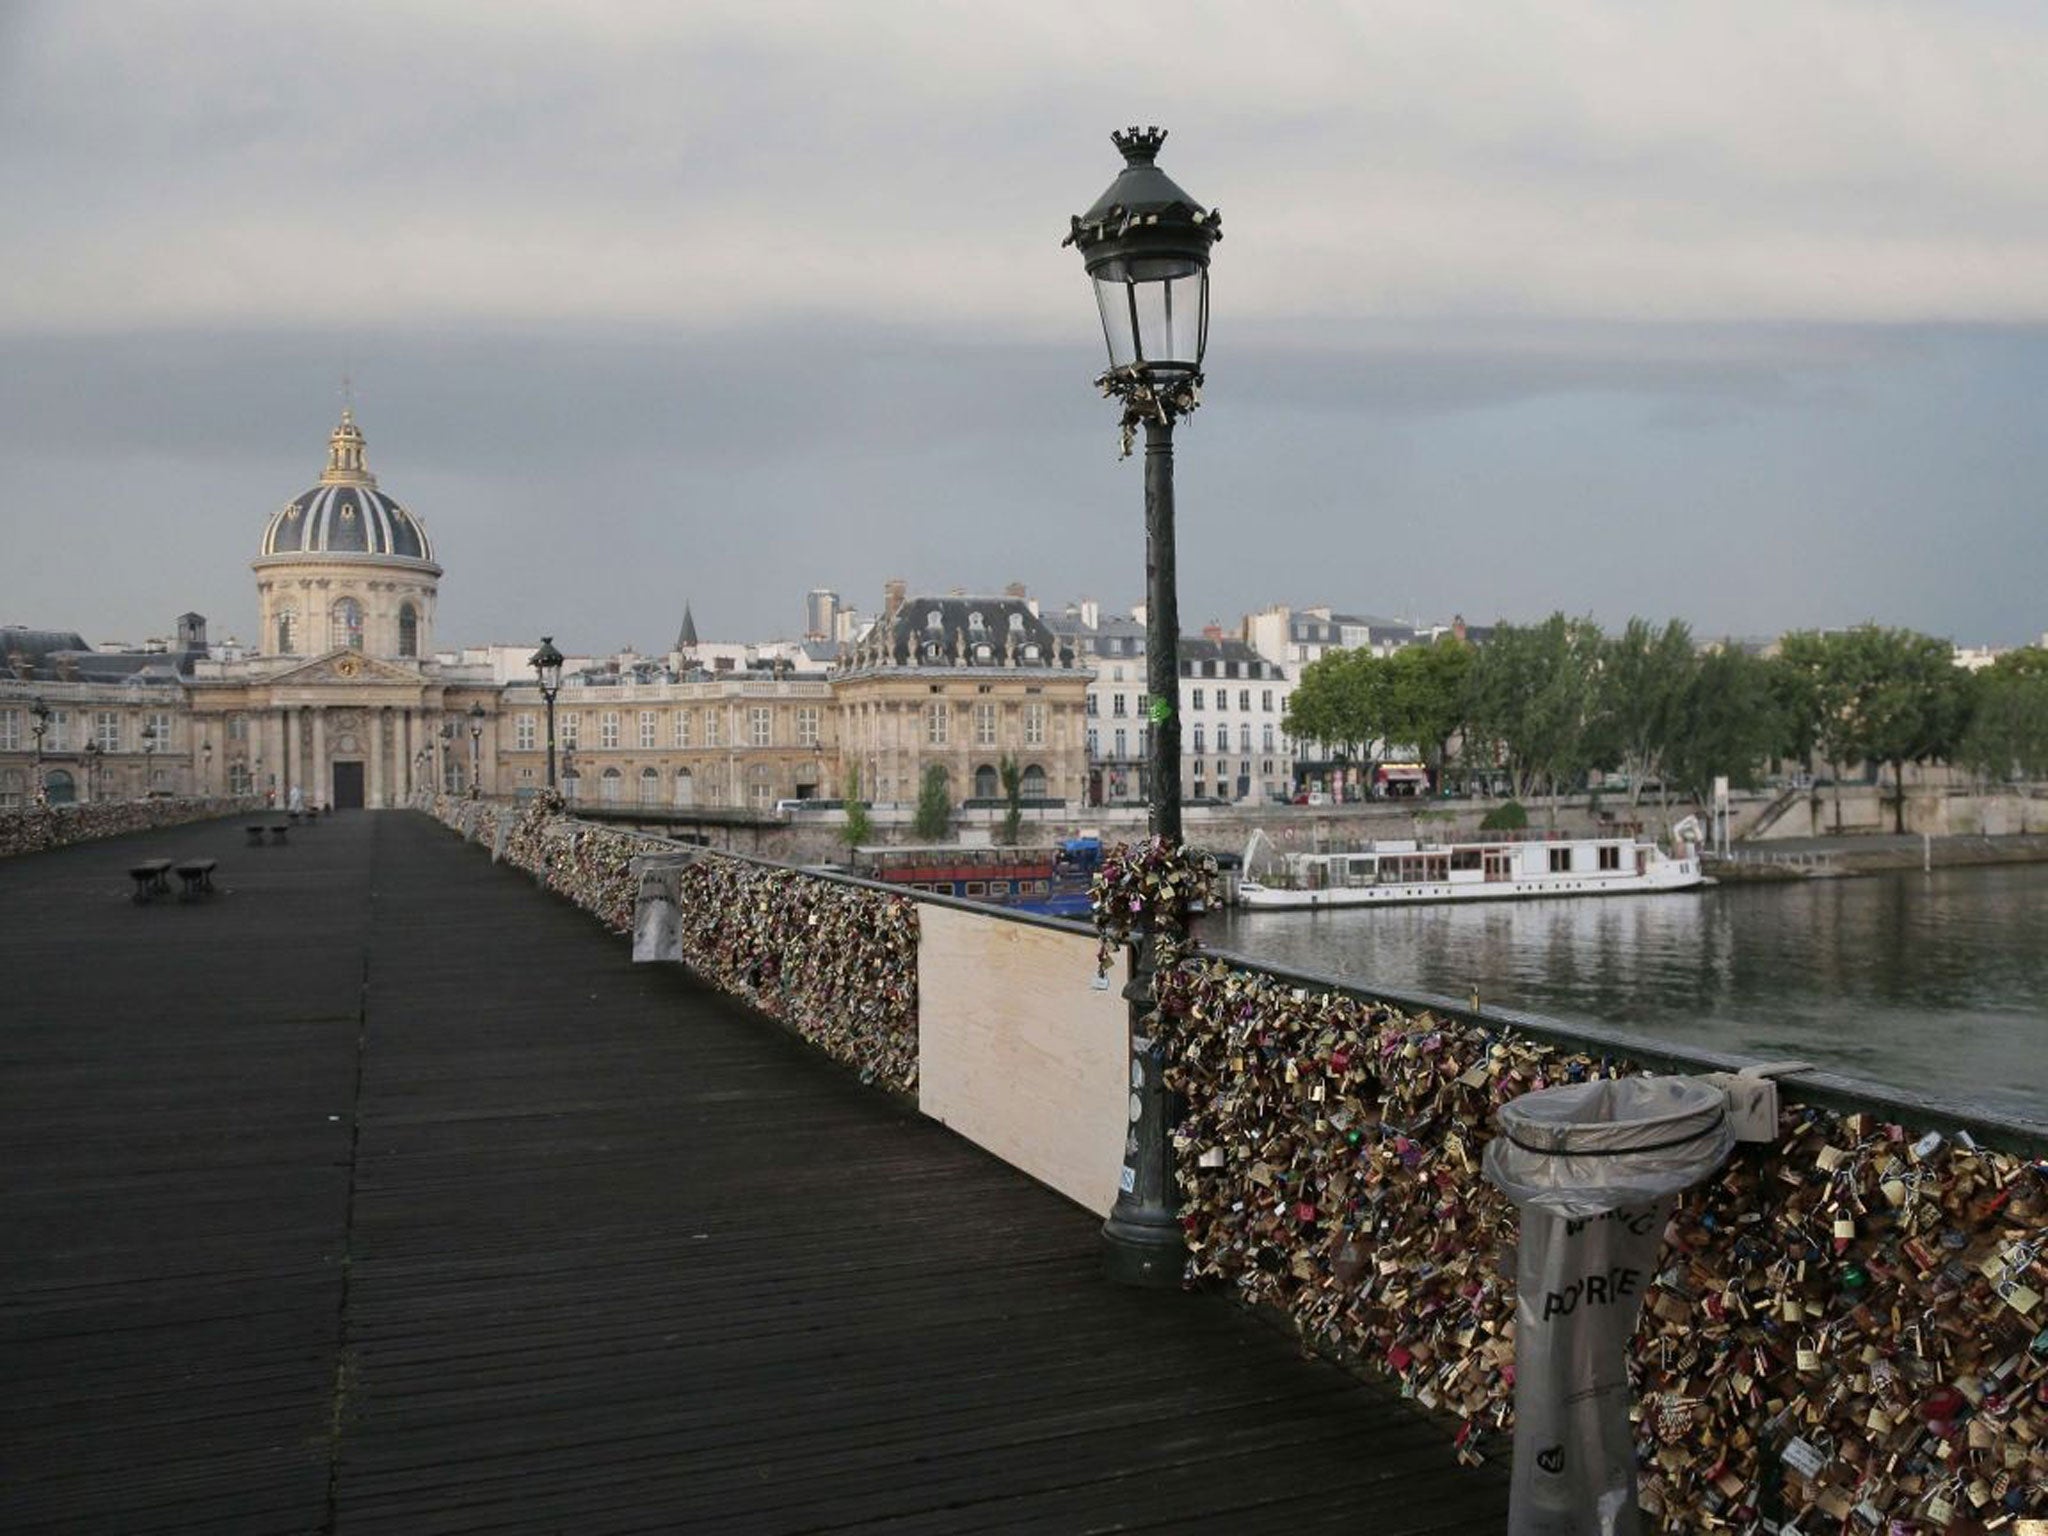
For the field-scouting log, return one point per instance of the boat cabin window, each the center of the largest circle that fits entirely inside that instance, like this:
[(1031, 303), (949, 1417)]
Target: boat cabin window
[(1610, 856), (1465, 858), (1560, 861)]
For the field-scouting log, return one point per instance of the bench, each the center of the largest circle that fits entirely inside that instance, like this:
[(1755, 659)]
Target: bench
[(197, 875), (255, 836), (277, 832), (149, 878)]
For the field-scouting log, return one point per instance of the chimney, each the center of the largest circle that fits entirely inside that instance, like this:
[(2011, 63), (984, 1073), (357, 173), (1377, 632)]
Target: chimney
[(1091, 613), (892, 598)]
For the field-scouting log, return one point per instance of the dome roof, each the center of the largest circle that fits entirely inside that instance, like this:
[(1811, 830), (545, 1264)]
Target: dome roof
[(345, 514)]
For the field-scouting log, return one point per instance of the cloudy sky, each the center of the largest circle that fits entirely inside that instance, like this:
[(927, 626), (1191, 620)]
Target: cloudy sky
[(1732, 312)]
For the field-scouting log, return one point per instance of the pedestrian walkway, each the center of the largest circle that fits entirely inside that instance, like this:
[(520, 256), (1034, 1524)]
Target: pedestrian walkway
[(380, 1193)]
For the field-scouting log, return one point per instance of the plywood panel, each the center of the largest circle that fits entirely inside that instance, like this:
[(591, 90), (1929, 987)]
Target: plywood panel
[(1020, 1053)]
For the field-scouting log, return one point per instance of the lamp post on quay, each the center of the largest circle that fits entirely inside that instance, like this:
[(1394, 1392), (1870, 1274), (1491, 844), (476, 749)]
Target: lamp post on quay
[(476, 742), (206, 770), (93, 750), (148, 759), (547, 666), (1146, 245), (39, 716)]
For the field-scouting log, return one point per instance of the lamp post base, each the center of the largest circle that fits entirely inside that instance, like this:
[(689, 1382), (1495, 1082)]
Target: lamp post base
[(1142, 1252)]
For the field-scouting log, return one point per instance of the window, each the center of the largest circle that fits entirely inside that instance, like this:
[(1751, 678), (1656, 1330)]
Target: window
[(1119, 706), (157, 728), (682, 727), (1198, 739), (345, 625), (1222, 738), (1266, 700), (58, 737), (935, 723), (106, 730), (650, 786), (711, 727), (1244, 698), (408, 630), (1093, 749), (646, 728), (1560, 861), (239, 782), (238, 727), (1032, 787), (807, 725), (572, 726), (10, 730), (287, 631), (1610, 856), (1034, 725), (1090, 705), (761, 725), (608, 728), (986, 784), (1197, 704), (1122, 744), (686, 789), (524, 733), (610, 786), (985, 726), (1266, 738)]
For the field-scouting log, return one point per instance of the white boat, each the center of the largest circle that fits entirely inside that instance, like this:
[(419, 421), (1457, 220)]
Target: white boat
[(1398, 871)]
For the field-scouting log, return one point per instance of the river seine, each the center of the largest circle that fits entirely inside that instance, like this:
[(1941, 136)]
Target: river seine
[(1936, 982)]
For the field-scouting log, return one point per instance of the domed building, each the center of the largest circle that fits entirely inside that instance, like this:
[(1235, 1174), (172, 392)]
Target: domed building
[(345, 567), (341, 699)]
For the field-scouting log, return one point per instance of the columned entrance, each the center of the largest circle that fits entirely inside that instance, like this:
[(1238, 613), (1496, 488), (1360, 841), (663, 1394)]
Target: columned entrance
[(348, 786)]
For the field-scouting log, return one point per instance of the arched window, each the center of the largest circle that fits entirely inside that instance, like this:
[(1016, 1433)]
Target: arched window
[(686, 789), (408, 630), (287, 631), (572, 785), (609, 786), (985, 783), (650, 786), (345, 625), (59, 788), (1032, 787)]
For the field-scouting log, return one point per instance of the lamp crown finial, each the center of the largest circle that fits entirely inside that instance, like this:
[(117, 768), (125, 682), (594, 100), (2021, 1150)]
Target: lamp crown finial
[(1140, 146)]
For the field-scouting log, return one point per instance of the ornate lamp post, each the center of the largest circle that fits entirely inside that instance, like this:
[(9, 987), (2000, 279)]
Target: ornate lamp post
[(206, 771), (148, 758), (1146, 246), (476, 742), (547, 666), (93, 751), (448, 768), (39, 716)]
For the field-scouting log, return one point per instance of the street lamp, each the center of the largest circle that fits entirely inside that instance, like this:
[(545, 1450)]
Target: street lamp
[(547, 666), (92, 770), (39, 713), (206, 772), (448, 768), (476, 742), (148, 757), (1146, 246)]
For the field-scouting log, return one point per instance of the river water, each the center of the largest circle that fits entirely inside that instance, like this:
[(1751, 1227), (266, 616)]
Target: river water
[(1936, 982)]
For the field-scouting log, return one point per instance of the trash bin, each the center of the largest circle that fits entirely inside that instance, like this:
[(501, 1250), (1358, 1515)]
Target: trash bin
[(1595, 1169)]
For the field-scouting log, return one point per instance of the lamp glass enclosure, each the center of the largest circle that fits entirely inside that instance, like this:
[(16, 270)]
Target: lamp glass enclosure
[(1155, 311)]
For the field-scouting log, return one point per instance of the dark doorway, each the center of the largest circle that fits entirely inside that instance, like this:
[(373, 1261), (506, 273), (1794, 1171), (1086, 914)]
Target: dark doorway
[(348, 786)]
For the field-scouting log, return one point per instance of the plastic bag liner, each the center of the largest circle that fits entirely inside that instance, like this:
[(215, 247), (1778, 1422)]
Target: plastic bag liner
[(1595, 1169)]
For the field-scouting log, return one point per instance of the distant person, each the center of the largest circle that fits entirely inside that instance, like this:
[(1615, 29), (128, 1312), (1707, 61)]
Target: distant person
[(295, 802)]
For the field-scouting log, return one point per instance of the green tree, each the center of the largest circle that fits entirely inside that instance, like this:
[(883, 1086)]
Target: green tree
[(1533, 697), (1645, 677), (1340, 701), (2008, 731), (934, 816), (1426, 691), (1012, 775), (859, 825), (1885, 697), (1725, 723)]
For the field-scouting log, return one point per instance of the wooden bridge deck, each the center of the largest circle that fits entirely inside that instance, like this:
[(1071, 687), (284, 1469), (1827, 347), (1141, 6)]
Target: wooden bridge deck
[(381, 1193)]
